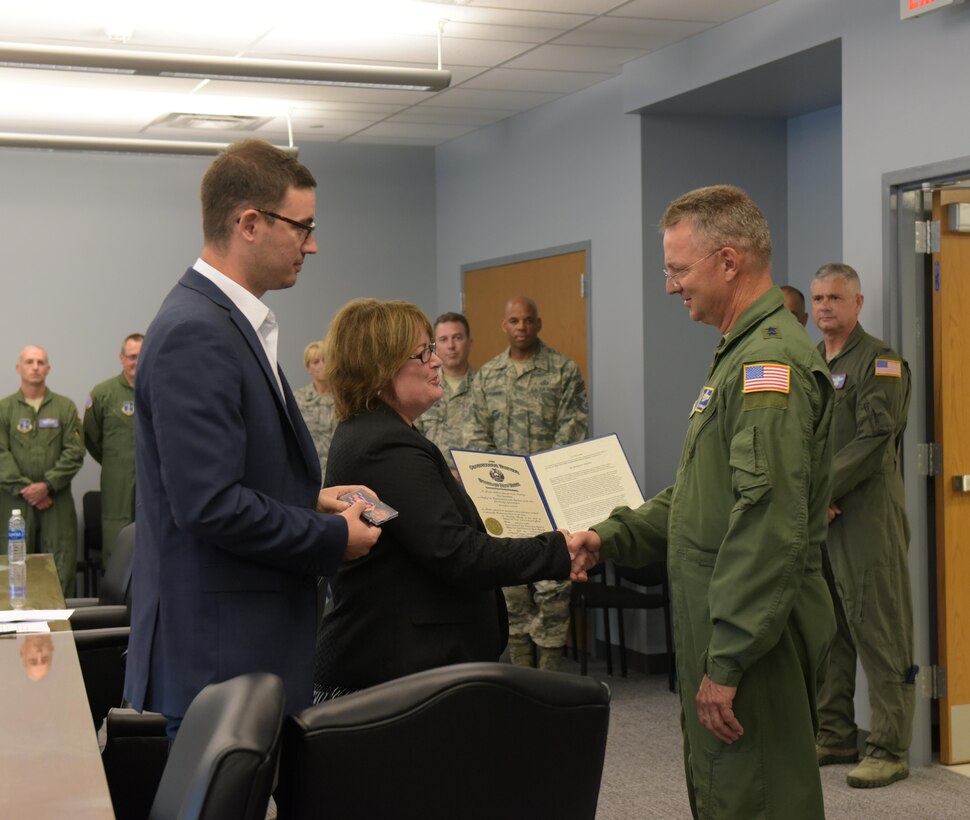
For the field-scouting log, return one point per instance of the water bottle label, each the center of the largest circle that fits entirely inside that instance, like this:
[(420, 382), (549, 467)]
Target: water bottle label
[(15, 535)]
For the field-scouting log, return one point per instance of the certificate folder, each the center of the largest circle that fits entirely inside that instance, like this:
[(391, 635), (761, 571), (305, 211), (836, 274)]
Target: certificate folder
[(572, 487)]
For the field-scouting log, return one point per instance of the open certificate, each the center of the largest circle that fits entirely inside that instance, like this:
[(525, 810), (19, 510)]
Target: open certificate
[(573, 487)]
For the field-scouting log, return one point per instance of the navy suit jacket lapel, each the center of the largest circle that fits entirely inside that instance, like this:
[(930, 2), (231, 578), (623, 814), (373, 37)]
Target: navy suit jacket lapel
[(196, 281)]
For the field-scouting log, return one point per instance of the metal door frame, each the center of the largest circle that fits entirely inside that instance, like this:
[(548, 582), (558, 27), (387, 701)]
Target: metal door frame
[(904, 312)]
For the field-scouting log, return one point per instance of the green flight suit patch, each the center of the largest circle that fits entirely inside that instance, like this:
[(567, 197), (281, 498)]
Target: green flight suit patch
[(758, 401), (771, 332)]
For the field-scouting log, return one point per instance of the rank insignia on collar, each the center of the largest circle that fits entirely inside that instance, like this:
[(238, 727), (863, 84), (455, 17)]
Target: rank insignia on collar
[(128, 407), (25, 425), (703, 400), (838, 380)]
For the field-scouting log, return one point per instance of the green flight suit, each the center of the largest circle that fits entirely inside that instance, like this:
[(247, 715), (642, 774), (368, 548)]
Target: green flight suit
[(445, 422), (741, 531), (42, 445), (109, 435), (868, 545), (525, 408), (320, 417)]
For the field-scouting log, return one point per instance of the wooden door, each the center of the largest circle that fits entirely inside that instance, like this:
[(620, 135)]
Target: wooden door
[(554, 283), (951, 400)]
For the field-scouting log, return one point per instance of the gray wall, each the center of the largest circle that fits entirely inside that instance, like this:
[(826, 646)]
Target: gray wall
[(814, 200), (92, 242), (681, 153), (566, 172)]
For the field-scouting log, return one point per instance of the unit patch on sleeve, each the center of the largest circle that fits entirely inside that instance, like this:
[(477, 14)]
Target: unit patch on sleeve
[(888, 367)]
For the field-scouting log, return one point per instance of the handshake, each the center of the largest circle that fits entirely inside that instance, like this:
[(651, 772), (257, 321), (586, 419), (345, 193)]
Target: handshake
[(584, 552)]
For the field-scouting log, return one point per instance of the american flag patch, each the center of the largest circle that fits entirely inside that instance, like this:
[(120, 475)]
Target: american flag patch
[(761, 377), (889, 367)]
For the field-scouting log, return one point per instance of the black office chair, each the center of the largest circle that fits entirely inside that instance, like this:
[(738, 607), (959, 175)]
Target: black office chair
[(112, 607), (101, 653), (654, 578), (90, 564), (134, 757), (477, 740), (223, 761), (602, 593)]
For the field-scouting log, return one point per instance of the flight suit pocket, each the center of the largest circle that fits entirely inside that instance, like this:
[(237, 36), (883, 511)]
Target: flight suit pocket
[(750, 478)]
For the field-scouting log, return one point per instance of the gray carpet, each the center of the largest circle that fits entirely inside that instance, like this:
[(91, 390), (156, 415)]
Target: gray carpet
[(643, 775)]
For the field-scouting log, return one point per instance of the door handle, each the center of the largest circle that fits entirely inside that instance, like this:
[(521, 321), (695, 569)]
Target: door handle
[(961, 483)]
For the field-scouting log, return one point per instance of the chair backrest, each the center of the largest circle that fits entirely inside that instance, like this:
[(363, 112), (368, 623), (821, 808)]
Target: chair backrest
[(115, 587), (134, 757), (471, 740), (224, 757), (101, 654), (651, 575), (91, 512)]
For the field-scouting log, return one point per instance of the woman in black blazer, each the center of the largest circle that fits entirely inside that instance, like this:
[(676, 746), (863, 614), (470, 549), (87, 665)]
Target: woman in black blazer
[(429, 593)]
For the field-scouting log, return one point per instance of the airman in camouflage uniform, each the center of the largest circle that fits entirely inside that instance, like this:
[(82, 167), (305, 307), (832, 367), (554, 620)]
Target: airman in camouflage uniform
[(868, 539), (40, 453), (529, 399), (316, 403), (445, 422), (109, 435), (742, 527)]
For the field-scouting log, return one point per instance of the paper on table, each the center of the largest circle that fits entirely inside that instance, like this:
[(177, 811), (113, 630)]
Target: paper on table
[(24, 626), (11, 615)]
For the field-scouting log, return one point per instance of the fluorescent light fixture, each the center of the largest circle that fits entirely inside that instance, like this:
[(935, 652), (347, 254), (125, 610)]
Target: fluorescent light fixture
[(112, 145), (237, 69)]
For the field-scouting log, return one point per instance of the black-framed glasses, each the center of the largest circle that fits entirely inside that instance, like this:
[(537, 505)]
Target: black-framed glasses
[(303, 226), (673, 276), (426, 352)]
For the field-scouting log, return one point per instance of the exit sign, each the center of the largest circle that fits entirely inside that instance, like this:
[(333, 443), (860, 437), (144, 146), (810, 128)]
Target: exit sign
[(914, 8)]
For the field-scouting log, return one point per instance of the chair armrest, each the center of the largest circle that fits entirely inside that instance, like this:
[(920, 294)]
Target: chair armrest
[(77, 603), (100, 617)]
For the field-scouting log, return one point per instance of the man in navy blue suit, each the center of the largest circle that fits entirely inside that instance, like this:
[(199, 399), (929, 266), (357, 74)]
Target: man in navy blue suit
[(232, 527)]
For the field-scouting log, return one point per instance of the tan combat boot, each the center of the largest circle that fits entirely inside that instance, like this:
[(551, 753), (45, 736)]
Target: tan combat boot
[(874, 772)]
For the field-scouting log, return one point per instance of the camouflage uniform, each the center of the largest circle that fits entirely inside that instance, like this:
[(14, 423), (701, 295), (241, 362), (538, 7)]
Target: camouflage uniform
[(741, 531), (868, 546), (444, 423), (109, 435), (318, 413), (43, 445), (525, 408)]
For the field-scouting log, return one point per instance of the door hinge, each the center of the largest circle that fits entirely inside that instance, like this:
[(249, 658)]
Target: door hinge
[(583, 286), (932, 682), (929, 459), (928, 236)]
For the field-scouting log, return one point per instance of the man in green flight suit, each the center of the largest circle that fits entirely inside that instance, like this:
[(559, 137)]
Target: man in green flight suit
[(40, 452), (868, 539), (742, 527), (528, 399), (445, 421), (109, 435)]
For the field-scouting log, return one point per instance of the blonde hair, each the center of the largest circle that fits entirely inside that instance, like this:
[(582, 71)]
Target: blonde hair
[(312, 351), (726, 216), (369, 341)]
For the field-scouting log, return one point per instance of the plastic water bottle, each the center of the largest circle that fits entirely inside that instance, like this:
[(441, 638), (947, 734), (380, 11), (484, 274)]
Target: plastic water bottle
[(17, 559)]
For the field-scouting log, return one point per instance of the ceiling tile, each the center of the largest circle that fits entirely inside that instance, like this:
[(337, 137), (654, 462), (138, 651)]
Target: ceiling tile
[(521, 79), (628, 32), (576, 58), (719, 11), (504, 100)]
